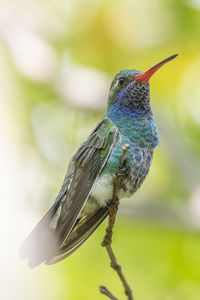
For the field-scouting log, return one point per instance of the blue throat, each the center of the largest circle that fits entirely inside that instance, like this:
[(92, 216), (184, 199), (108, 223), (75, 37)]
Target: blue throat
[(138, 125)]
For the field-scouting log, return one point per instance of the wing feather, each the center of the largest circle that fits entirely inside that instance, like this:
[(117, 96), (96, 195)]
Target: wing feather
[(57, 233), (80, 233), (88, 164)]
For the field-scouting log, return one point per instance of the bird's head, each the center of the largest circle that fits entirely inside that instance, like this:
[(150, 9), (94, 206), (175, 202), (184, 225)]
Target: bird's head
[(130, 88)]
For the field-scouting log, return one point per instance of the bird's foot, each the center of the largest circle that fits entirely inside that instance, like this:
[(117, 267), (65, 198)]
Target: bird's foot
[(122, 172)]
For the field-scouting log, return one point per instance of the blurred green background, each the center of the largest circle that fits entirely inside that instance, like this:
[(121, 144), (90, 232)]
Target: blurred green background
[(57, 61)]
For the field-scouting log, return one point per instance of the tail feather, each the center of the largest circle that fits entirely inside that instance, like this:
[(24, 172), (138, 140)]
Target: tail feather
[(41, 243), (80, 233)]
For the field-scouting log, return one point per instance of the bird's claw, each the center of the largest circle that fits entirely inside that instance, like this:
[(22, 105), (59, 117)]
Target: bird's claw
[(122, 172)]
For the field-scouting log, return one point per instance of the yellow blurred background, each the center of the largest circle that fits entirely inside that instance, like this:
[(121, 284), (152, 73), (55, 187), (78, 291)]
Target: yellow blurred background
[(57, 60)]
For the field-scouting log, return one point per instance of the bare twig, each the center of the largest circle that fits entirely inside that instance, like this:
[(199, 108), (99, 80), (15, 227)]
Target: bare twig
[(109, 232), (106, 292)]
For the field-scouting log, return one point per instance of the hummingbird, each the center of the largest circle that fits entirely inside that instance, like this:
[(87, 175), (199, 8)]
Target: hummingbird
[(85, 195)]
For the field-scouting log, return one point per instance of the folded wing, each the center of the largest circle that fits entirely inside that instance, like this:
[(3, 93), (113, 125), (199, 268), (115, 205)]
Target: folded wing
[(51, 237)]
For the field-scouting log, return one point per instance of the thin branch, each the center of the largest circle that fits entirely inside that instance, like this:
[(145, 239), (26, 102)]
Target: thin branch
[(106, 292), (109, 232)]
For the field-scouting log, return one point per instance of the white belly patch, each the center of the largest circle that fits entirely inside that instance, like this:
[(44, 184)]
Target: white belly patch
[(102, 190), (100, 194)]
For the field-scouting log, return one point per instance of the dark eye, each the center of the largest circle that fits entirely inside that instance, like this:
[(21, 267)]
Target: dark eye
[(121, 81)]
